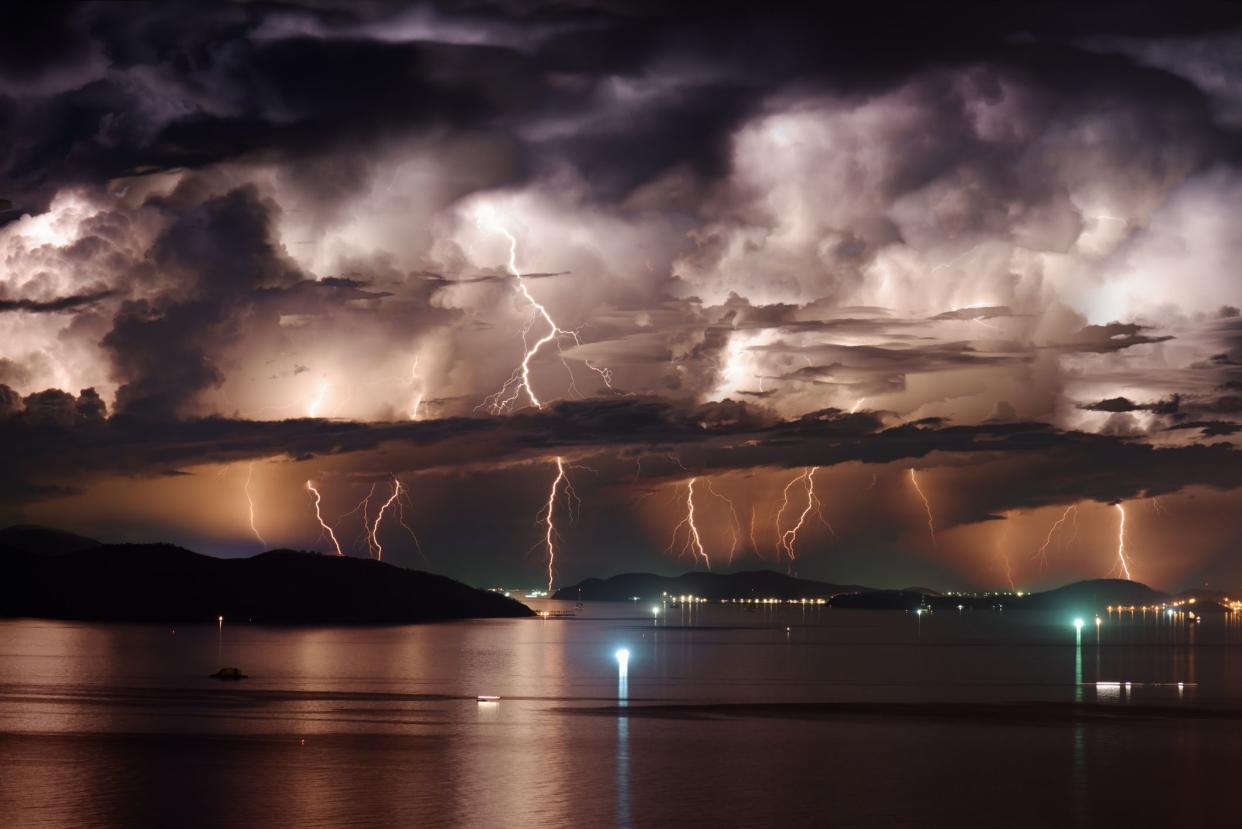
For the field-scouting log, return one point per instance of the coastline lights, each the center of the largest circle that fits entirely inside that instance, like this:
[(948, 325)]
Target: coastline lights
[(623, 661), (1078, 624)]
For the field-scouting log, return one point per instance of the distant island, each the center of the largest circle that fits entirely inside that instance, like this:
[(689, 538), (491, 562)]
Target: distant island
[(50, 574), (710, 586), (1084, 596)]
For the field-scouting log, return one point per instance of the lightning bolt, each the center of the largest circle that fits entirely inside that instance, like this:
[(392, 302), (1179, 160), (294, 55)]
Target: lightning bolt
[(787, 540), (519, 383), (250, 501), (1001, 548), (694, 541), (313, 409), (547, 515), (418, 396), (735, 524), (1042, 552), (754, 543), (364, 507), (1123, 561), (379, 516), (931, 522), (857, 403), (319, 517)]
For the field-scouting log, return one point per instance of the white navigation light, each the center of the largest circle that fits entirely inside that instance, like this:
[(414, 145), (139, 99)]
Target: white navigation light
[(623, 661)]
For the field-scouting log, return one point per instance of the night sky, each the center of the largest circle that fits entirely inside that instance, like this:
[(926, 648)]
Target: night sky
[(721, 258)]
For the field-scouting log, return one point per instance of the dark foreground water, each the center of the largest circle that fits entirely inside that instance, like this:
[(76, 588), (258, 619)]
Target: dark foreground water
[(724, 718)]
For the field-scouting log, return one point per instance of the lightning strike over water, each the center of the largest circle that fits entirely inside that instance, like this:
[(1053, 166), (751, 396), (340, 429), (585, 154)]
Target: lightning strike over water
[(547, 516), (694, 541), (319, 517), (931, 522), (250, 501), (1123, 561), (1042, 552), (519, 383), (787, 540)]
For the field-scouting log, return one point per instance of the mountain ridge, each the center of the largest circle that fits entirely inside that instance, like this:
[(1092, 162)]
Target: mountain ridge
[(166, 583)]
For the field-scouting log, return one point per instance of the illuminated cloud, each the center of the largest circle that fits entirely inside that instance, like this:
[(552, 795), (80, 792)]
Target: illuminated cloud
[(1006, 251)]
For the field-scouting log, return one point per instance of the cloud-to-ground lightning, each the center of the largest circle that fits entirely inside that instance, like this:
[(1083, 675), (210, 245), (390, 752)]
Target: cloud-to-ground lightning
[(694, 541), (1042, 552), (547, 516), (754, 542), (787, 540), (250, 502), (735, 524), (376, 544), (1123, 560), (319, 517), (1002, 548), (364, 507), (519, 382), (931, 521)]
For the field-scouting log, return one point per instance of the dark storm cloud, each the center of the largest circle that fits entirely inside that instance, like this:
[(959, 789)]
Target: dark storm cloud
[(55, 437), (55, 306), (103, 90), (1115, 336), (215, 254), (1123, 404)]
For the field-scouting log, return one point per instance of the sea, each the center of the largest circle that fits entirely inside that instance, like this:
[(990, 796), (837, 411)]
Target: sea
[(628, 714)]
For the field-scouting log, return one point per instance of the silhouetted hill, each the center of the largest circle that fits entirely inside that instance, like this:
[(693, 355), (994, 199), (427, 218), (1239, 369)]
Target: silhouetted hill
[(758, 584), (1080, 597), (1096, 593), (161, 582), (43, 541)]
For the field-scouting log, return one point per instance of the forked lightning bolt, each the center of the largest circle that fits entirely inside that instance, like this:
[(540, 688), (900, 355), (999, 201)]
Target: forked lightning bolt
[(1042, 552), (519, 383), (787, 540), (397, 493), (547, 516), (319, 517), (735, 524), (694, 541)]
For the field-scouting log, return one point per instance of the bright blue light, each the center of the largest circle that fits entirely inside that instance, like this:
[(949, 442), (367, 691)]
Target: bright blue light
[(1078, 624), (623, 657)]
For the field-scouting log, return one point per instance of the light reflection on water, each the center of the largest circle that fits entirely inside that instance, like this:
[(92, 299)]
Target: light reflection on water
[(119, 725)]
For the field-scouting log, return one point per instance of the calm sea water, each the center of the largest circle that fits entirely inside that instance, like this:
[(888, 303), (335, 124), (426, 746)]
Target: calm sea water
[(784, 716)]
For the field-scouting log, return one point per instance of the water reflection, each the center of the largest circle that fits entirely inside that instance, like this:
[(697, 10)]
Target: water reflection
[(105, 724), (623, 739)]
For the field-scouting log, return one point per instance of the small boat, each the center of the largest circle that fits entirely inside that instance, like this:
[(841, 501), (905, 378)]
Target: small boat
[(229, 673)]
